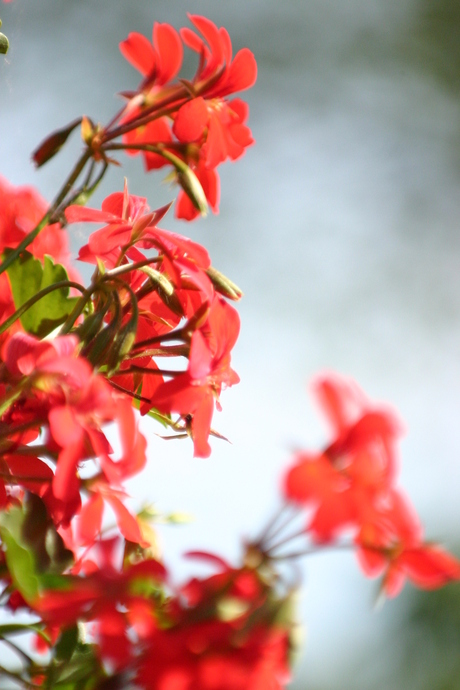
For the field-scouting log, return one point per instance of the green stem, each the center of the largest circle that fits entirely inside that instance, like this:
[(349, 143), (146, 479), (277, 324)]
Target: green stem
[(149, 114), (21, 628), (76, 311), (67, 186), (310, 551), (171, 351), (172, 335), (14, 647), (152, 148), (286, 540), (34, 423), (133, 369), (127, 268), (135, 396)]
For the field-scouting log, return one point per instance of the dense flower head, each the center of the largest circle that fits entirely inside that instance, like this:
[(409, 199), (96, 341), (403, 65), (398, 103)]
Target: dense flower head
[(61, 391), (182, 269), (355, 469), (120, 602), (202, 128), (350, 488), (221, 635)]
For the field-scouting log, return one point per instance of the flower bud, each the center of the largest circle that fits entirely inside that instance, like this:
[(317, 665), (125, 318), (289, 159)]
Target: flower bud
[(51, 145), (192, 187), (4, 44), (224, 285)]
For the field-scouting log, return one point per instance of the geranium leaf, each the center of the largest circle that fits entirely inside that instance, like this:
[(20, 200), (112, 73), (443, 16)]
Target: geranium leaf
[(28, 276), (66, 644), (19, 557)]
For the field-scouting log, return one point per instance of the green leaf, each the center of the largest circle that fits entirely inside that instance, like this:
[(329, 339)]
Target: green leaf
[(67, 644), (34, 551), (28, 277), (84, 665), (39, 533), (19, 558)]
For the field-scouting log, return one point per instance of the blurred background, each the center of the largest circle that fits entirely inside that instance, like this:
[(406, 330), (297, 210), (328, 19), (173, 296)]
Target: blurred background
[(341, 227)]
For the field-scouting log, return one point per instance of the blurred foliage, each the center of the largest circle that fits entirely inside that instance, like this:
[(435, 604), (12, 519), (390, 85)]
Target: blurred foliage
[(428, 641), (434, 39)]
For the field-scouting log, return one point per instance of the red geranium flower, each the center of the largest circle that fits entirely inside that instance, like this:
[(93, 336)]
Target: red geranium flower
[(194, 391), (355, 470)]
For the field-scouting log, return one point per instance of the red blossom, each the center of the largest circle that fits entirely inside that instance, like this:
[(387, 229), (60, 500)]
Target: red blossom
[(194, 391), (127, 218), (107, 596), (206, 127), (391, 544), (159, 61), (215, 48), (355, 470), (209, 646), (22, 208)]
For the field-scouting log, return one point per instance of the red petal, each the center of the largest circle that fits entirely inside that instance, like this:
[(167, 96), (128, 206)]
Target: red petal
[(211, 34), (200, 357), (216, 142), (242, 72), (191, 40), (138, 50), (65, 483), (90, 521), (22, 352), (80, 214), (169, 47), (430, 566), (191, 120), (127, 523), (21, 466), (201, 426), (64, 427)]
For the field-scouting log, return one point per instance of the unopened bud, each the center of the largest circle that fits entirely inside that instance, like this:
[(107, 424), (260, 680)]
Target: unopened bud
[(4, 44), (51, 145), (192, 187), (87, 130), (224, 285)]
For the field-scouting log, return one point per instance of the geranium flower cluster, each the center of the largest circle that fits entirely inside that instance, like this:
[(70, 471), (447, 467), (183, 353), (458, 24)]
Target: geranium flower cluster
[(349, 488), (153, 334), (199, 124), (189, 125)]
